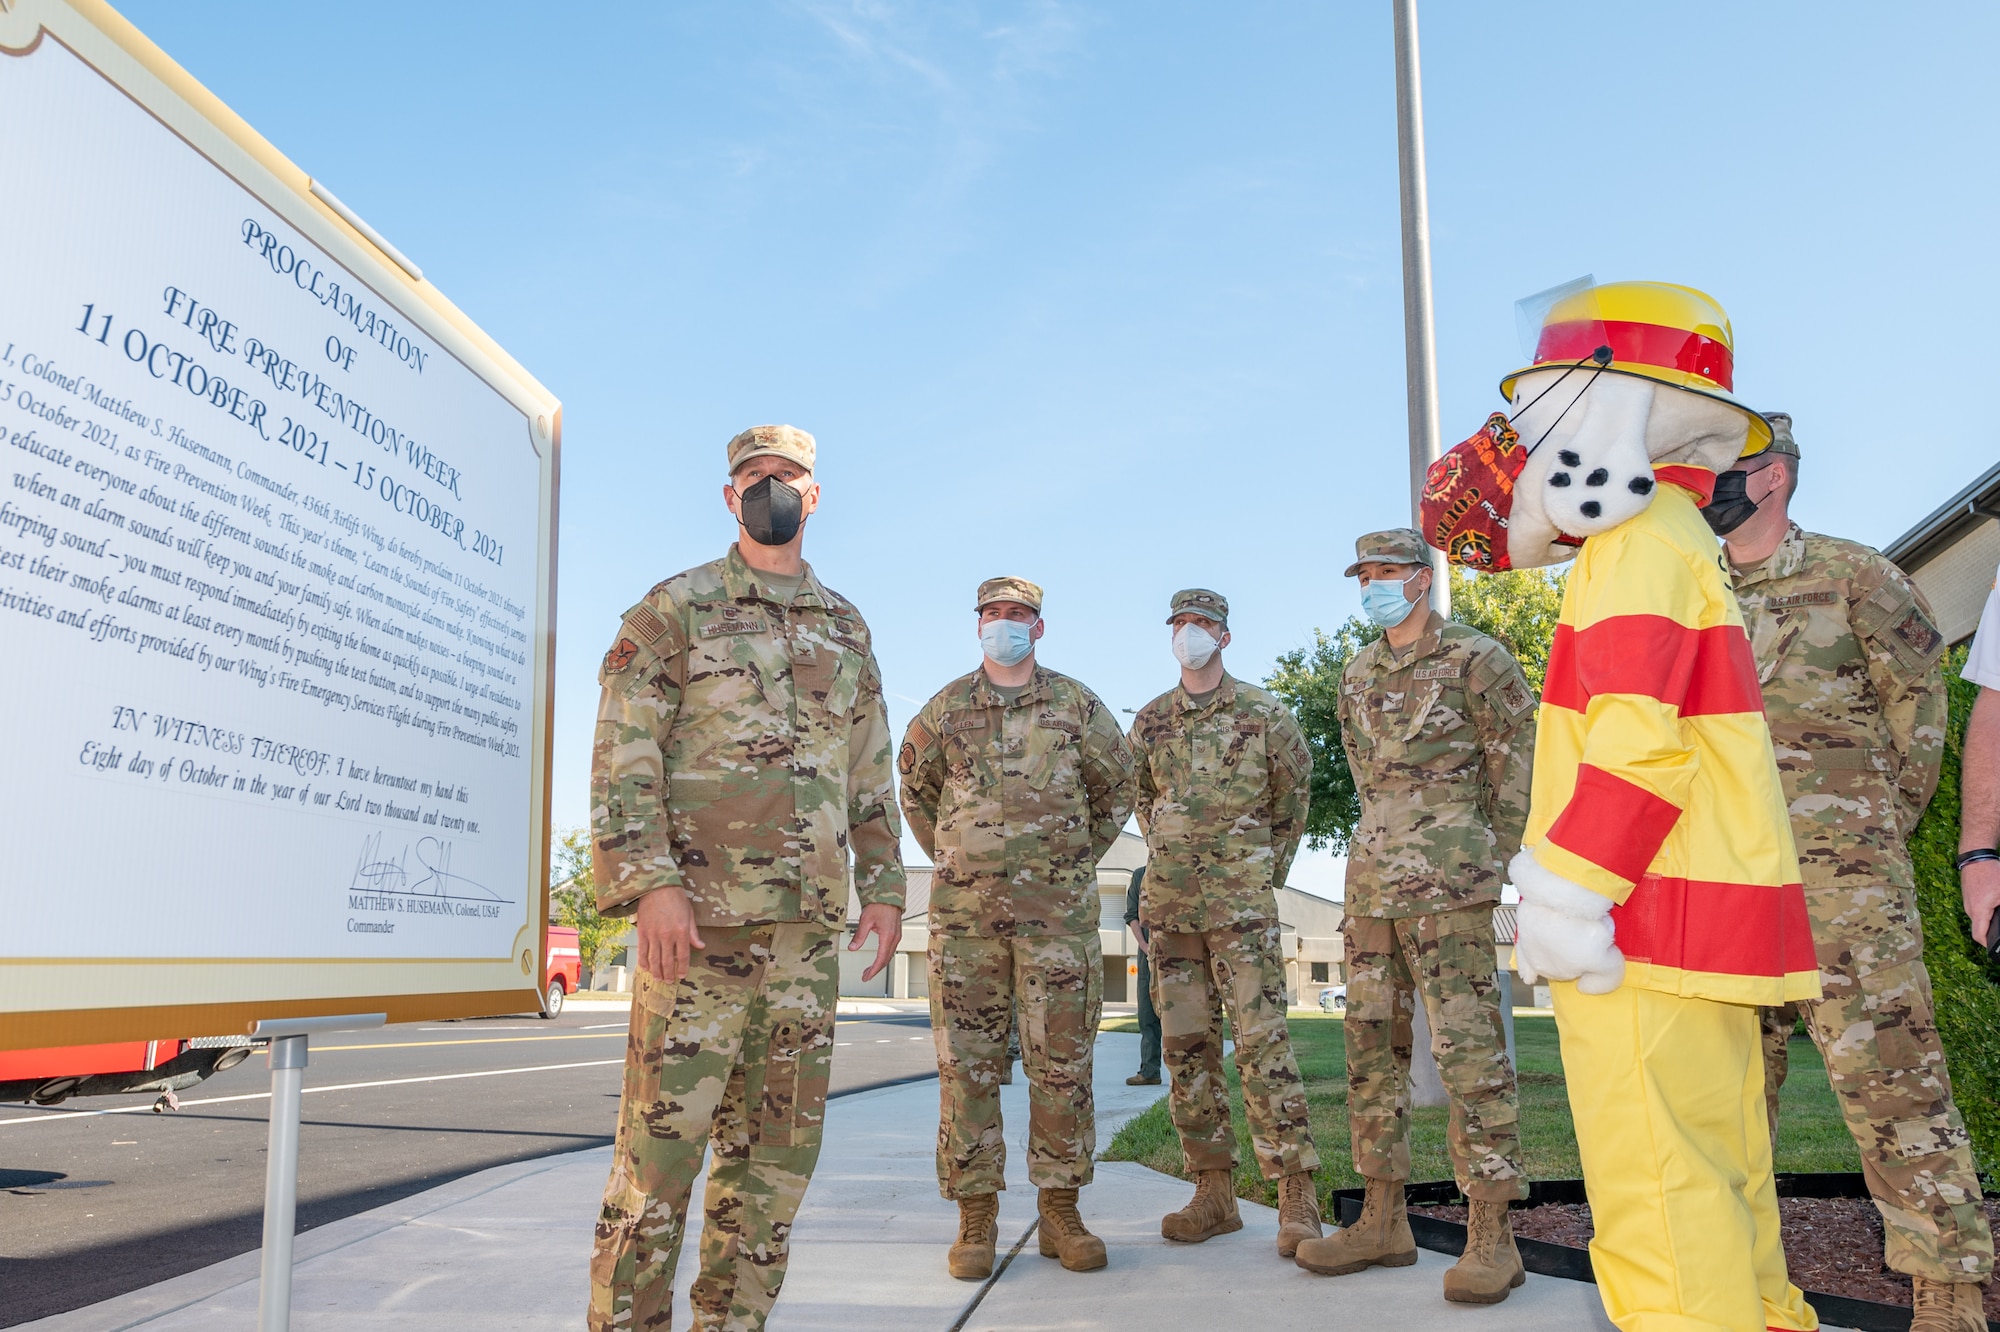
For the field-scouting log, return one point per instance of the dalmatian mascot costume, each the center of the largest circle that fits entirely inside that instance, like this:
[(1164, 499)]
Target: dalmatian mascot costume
[(1660, 892)]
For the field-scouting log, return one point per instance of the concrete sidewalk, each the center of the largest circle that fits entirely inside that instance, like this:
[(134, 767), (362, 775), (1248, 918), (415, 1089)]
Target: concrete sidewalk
[(509, 1248)]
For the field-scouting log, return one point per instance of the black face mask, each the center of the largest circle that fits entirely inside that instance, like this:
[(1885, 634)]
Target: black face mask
[(1732, 506), (771, 511)]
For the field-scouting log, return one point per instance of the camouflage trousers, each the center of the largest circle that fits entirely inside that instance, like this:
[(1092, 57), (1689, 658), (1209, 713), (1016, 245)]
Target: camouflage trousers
[(1446, 958), (1057, 983), (1876, 1027), (737, 1055), (1196, 978)]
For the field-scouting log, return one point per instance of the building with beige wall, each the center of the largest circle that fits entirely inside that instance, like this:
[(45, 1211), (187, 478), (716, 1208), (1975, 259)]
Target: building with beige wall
[(1309, 926), (1951, 555)]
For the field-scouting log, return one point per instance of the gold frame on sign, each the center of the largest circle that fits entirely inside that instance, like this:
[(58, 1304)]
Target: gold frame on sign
[(83, 1000)]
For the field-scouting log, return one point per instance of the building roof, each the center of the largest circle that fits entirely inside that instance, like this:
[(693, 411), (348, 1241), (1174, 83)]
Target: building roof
[(1951, 555), (1977, 503)]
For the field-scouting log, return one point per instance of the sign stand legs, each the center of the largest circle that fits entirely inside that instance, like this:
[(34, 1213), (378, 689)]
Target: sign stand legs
[(281, 1183), (288, 1037)]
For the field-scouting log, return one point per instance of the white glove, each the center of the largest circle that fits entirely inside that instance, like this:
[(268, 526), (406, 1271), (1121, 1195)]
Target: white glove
[(1563, 930)]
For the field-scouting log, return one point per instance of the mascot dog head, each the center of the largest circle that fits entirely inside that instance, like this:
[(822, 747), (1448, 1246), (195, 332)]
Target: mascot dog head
[(1630, 382)]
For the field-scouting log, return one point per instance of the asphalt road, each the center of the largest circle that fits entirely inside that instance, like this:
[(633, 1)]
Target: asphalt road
[(94, 1204)]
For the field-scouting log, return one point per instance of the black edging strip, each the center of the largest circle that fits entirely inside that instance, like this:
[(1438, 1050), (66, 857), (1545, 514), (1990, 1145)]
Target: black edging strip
[(1019, 1244), (1560, 1260)]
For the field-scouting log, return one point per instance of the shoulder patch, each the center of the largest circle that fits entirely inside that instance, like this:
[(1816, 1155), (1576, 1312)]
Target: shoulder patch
[(620, 656), (1515, 696), (919, 737), (906, 762), (642, 621), (1918, 634), (1121, 755)]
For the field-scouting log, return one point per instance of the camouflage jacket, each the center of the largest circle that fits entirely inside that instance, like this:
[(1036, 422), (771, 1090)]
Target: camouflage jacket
[(1848, 656), (1222, 800), (742, 749), (1442, 748), (1015, 803)]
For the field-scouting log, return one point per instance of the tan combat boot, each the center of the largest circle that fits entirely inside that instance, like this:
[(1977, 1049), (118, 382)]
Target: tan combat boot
[(1062, 1233), (1298, 1212), (1490, 1265), (1947, 1306), (971, 1258), (1380, 1238), (1212, 1210)]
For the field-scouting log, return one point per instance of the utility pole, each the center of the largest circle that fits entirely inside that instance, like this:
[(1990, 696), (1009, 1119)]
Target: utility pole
[(1419, 333)]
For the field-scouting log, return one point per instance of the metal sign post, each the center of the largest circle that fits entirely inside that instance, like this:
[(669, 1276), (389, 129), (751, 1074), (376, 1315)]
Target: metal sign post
[(288, 1037), (1419, 333), (1420, 360)]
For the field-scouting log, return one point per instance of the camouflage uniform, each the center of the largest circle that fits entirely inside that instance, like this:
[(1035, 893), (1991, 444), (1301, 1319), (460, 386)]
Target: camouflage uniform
[(1848, 657), (742, 750), (1014, 804), (1223, 788), (1441, 746)]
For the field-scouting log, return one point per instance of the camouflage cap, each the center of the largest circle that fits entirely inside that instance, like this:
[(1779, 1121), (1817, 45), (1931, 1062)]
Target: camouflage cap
[(1781, 434), (779, 441), (1199, 601), (1009, 589), (1398, 545)]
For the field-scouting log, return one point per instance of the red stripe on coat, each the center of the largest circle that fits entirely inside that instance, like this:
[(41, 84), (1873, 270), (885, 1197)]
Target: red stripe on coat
[(1701, 672), (1613, 823), (1729, 929)]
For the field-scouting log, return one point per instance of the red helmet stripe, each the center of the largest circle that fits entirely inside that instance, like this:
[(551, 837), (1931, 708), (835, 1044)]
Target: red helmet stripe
[(1638, 344)]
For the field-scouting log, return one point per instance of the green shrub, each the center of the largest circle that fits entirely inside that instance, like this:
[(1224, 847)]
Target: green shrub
[(1966, 985)]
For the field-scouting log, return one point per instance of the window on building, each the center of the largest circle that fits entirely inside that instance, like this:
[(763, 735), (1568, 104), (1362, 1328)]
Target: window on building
[(1319, 973)]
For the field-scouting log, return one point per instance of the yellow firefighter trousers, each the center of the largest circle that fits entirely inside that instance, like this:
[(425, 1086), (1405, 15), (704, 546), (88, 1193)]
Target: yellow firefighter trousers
[(1668, 1098)]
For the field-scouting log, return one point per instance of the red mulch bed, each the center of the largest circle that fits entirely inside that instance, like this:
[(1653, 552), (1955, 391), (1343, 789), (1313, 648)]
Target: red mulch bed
[(1831, 1244)]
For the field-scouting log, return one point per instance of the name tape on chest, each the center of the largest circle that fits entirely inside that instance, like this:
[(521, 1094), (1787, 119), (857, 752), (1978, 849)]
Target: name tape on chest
[(1825, 598), (730, 624), (962, 721)]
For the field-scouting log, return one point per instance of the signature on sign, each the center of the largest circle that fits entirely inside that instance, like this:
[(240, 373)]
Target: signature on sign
[(430, 876)]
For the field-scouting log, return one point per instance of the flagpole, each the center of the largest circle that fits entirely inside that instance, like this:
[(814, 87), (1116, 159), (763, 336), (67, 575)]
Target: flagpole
[(1419, 332)]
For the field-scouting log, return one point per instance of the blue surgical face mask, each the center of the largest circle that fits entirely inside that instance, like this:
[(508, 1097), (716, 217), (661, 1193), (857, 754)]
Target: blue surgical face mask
[(1386, 603), (1005, 642)]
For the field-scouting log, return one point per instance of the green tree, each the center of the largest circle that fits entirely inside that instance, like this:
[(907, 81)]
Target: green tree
[(1966, 985), (573, 900), (1518, 608), (1308, 679)]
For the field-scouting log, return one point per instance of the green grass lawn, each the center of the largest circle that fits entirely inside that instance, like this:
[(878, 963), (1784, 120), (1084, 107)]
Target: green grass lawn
[(1811, 1135)]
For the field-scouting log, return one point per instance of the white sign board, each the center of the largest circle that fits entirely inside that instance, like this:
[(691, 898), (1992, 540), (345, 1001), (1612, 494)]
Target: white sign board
[(274, 584)]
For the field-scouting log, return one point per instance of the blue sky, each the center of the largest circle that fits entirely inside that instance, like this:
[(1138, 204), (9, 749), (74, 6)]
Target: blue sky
[(1108, 295)]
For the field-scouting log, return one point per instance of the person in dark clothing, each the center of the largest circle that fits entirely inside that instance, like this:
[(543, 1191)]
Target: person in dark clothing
[(1149, 1021)]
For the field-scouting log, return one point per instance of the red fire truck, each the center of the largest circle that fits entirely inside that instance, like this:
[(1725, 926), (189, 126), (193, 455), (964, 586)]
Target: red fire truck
[(565, 969)]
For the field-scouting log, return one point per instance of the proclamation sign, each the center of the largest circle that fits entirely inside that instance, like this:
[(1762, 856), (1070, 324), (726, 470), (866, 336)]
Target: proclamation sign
[(276, 581)]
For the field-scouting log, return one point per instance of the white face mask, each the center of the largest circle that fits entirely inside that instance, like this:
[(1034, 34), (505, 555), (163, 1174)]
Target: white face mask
[(1193, 646)]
